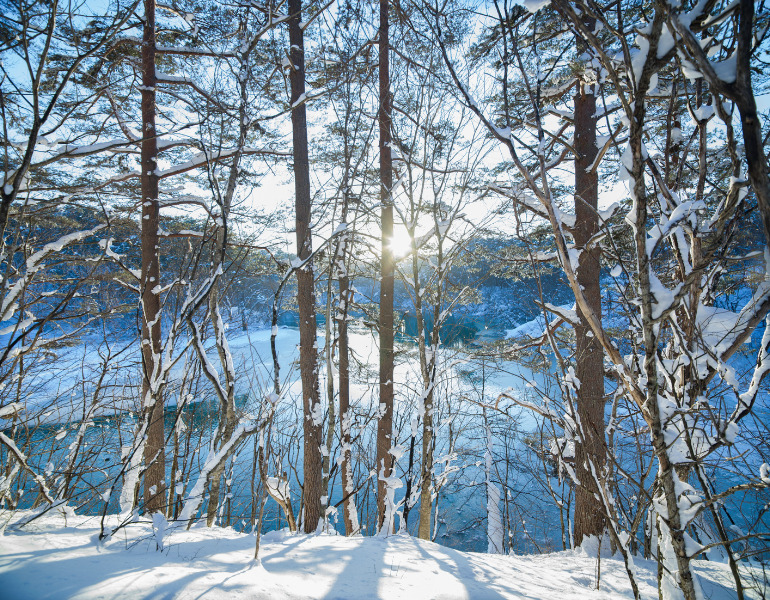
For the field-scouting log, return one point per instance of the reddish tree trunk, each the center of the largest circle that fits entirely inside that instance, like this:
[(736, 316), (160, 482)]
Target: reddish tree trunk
[(154, 449), (308, 360), (589, 513), (387, 268)]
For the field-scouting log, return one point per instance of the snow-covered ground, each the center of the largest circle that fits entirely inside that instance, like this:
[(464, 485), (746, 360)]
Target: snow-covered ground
[(49, 559)]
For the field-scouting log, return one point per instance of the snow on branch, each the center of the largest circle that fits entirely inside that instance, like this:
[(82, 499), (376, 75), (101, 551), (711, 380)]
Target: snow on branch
[(215, 458), (22, 459), (203, 158), (34, 263)]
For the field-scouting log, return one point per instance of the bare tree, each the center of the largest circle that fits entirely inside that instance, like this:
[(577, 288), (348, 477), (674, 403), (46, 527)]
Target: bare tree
[(589, 515), (387, 270), (152, 384), (656, 387), (313, 411)]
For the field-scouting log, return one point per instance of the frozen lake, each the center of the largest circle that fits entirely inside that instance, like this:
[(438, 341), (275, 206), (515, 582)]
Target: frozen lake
[(70, 397)]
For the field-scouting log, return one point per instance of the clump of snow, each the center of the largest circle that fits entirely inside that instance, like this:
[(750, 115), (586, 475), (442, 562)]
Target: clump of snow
[(279, 487), (9, 410), (536, 327), (535, 5)]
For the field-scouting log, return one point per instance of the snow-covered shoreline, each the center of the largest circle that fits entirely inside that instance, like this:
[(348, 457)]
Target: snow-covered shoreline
[(49, 559)]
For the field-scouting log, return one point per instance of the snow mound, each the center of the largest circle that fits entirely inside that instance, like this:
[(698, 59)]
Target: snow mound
[(51, 560), (536, 327)]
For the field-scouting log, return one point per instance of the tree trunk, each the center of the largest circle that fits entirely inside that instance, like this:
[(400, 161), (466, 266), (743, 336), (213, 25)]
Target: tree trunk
[(410, 466), (589, 514), (308, 360), (332, 417), (494, 518), (349, 511), (666, 476), (751, 125), (426, 478), (741, 92), (428, 373), (152, 393), (227, 416), (387, 269)]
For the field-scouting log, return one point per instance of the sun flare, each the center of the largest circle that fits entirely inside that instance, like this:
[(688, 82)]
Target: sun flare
[(401, 243)]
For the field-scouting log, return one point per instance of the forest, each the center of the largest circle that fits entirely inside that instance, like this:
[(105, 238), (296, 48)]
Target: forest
[(492, 275)]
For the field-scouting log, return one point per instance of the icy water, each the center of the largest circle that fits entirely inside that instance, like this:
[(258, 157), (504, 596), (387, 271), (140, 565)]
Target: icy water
[(464, 382)]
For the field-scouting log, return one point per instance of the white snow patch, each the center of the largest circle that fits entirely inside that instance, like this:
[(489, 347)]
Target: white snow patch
[(51, 560), (535, 5)]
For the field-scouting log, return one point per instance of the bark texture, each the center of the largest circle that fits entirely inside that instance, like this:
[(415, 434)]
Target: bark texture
[(152, 393), (349, 511), (227, 417), (589, 514), (308, 360), (387, 268), (666, 468)]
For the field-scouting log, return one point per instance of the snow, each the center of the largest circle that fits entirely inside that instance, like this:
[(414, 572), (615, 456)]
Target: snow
[(664, 297), (9, 410), (626, 164), (716, 325), (35, 263), (279, 487), (703, 113), (71, 150), (639, 58), (215, 458), (606, 214), (726, 69), (495, 529), (535, 5), (536, 327), (533, 329), (53, 558), (665, 42), (690, 71), (731, 432)]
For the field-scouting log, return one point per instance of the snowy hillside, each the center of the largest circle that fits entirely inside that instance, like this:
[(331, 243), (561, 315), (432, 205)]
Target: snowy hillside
[(50, 560)]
